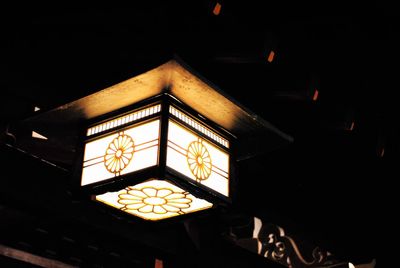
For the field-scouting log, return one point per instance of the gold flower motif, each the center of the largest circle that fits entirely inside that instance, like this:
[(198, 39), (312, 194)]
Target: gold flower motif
[(119, 153), (154, 200), (199, 160)]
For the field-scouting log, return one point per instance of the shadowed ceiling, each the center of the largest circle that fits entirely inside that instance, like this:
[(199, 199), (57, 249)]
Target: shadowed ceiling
[(330, 186)]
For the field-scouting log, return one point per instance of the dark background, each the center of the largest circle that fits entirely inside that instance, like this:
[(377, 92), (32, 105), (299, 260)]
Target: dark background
[(334, 186)]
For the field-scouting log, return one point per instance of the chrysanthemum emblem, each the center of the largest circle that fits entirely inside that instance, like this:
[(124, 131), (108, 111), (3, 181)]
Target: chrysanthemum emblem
[(154, 200), (199, 160), (119, 153)]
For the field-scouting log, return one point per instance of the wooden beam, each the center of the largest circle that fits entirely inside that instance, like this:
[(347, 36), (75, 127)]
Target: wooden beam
[(31, 258)]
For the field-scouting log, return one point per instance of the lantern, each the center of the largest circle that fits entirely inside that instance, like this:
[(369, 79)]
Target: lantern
[(164, 158), (161, 144)]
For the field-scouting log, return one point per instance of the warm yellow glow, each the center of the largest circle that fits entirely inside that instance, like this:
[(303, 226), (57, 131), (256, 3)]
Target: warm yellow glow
[(123, 120), (199, 127), (197, 159), (351, 265), (154, 200), (121, 152)]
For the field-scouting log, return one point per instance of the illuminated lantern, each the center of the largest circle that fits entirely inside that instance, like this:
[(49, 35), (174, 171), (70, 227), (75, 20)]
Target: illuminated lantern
[(163, 151), (162, 144)]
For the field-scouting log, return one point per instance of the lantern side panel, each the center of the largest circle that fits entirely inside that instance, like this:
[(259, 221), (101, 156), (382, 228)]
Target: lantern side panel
[(197, 159), (121, 152)]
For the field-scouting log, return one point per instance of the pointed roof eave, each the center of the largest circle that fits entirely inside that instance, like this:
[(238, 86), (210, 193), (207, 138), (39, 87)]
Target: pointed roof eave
[(176, 78)]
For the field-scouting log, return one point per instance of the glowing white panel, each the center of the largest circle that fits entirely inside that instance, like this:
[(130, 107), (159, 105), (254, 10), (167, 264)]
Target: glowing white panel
[(154, 200), (121, 152), (197, 159)]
